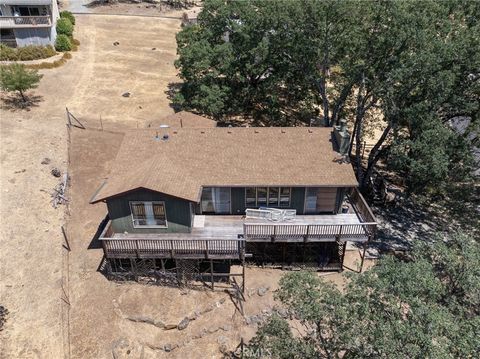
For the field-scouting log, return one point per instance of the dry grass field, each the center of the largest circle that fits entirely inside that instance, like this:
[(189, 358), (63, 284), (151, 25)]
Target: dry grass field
[(90, 84), (60, 305)]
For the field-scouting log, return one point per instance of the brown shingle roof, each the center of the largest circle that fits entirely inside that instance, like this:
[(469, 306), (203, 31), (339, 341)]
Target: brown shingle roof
[(191, 158), (183, 119)]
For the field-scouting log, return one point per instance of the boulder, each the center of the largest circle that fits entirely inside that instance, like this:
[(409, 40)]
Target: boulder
[(262, 291), (183, 324)]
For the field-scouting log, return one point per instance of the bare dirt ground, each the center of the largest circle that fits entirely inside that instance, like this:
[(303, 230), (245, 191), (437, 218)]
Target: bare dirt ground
[(90, 84), (61, 306), (108, 317)]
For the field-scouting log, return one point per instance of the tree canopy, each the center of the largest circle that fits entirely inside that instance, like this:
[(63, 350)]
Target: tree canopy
[(401, 67), (16, 77), (426, 306)]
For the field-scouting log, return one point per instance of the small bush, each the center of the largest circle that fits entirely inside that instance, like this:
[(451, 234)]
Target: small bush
[(67, 15), (31, 52), (26, 53), (62, 43), (8, 53), (51, 65), (75, 44), (64, 27)]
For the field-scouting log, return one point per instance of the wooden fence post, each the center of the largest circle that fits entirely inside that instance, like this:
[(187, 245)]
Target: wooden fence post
[(66, 245)]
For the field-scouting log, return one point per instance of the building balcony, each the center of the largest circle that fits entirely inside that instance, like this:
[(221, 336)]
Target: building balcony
[(225, 237), (18, 22)]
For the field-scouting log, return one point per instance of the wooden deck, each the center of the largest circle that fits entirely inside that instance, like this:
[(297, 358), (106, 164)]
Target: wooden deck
[(224, 237)]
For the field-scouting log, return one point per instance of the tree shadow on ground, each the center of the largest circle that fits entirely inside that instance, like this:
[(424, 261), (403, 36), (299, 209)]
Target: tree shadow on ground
[(173, 88), (399, 225), (16, 103)]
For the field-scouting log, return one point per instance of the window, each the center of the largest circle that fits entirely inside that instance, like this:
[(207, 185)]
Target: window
[(285, 196), (250, 197), (273, 193), (262, 196), (148, 214), (267, 197)]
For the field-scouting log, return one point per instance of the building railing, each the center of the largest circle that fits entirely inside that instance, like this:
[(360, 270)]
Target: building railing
[(25, 21), (164, 247), (287, 232), (361, 207), (173, 248)]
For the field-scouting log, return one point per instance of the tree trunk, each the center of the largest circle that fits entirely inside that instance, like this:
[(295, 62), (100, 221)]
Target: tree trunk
[(350, 147), (323, 94), (374, 155), (358, 146), (340, 104), (22, 95), (325, 74), (360, 112)]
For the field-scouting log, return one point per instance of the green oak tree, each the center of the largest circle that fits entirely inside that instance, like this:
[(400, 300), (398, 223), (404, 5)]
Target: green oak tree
[(413, 64), (425, 306), (16, 77)]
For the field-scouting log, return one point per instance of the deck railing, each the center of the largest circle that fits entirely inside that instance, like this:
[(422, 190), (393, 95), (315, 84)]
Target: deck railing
[(164, 247), (286, 232), (362, 208), (25, 21), (173, 248)]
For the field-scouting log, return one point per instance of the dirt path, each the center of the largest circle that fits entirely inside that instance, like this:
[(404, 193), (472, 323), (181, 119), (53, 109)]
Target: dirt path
[(90, 84)]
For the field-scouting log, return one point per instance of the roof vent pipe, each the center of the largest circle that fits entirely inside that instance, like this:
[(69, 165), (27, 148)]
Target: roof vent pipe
[(165, 135)]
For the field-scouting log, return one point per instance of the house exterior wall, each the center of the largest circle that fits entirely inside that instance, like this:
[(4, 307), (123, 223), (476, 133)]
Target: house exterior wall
[(178, 212), (34, 36), (297, 200)]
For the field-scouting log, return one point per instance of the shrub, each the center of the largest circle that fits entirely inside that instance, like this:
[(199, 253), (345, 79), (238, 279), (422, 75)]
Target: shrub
[(31, 52), (62, 43), (64, 27), (75, 44), (8, 53), (67, 15), (51, 65), (16, 77), (26, 53)]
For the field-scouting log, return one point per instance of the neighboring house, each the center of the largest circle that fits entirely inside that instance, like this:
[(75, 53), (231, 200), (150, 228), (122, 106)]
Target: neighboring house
[(28, 22), (181, 195)]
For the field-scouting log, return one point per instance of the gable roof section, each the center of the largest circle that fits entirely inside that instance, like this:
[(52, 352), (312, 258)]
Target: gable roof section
[(193, 158)]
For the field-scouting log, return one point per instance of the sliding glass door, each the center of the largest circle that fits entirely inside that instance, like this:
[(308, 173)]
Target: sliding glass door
[(215, 200)]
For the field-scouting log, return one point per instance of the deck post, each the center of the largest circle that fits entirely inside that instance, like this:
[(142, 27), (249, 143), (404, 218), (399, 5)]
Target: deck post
[(363, 255), (211, 274), (243, 275), (134, 269), (343, 253)]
